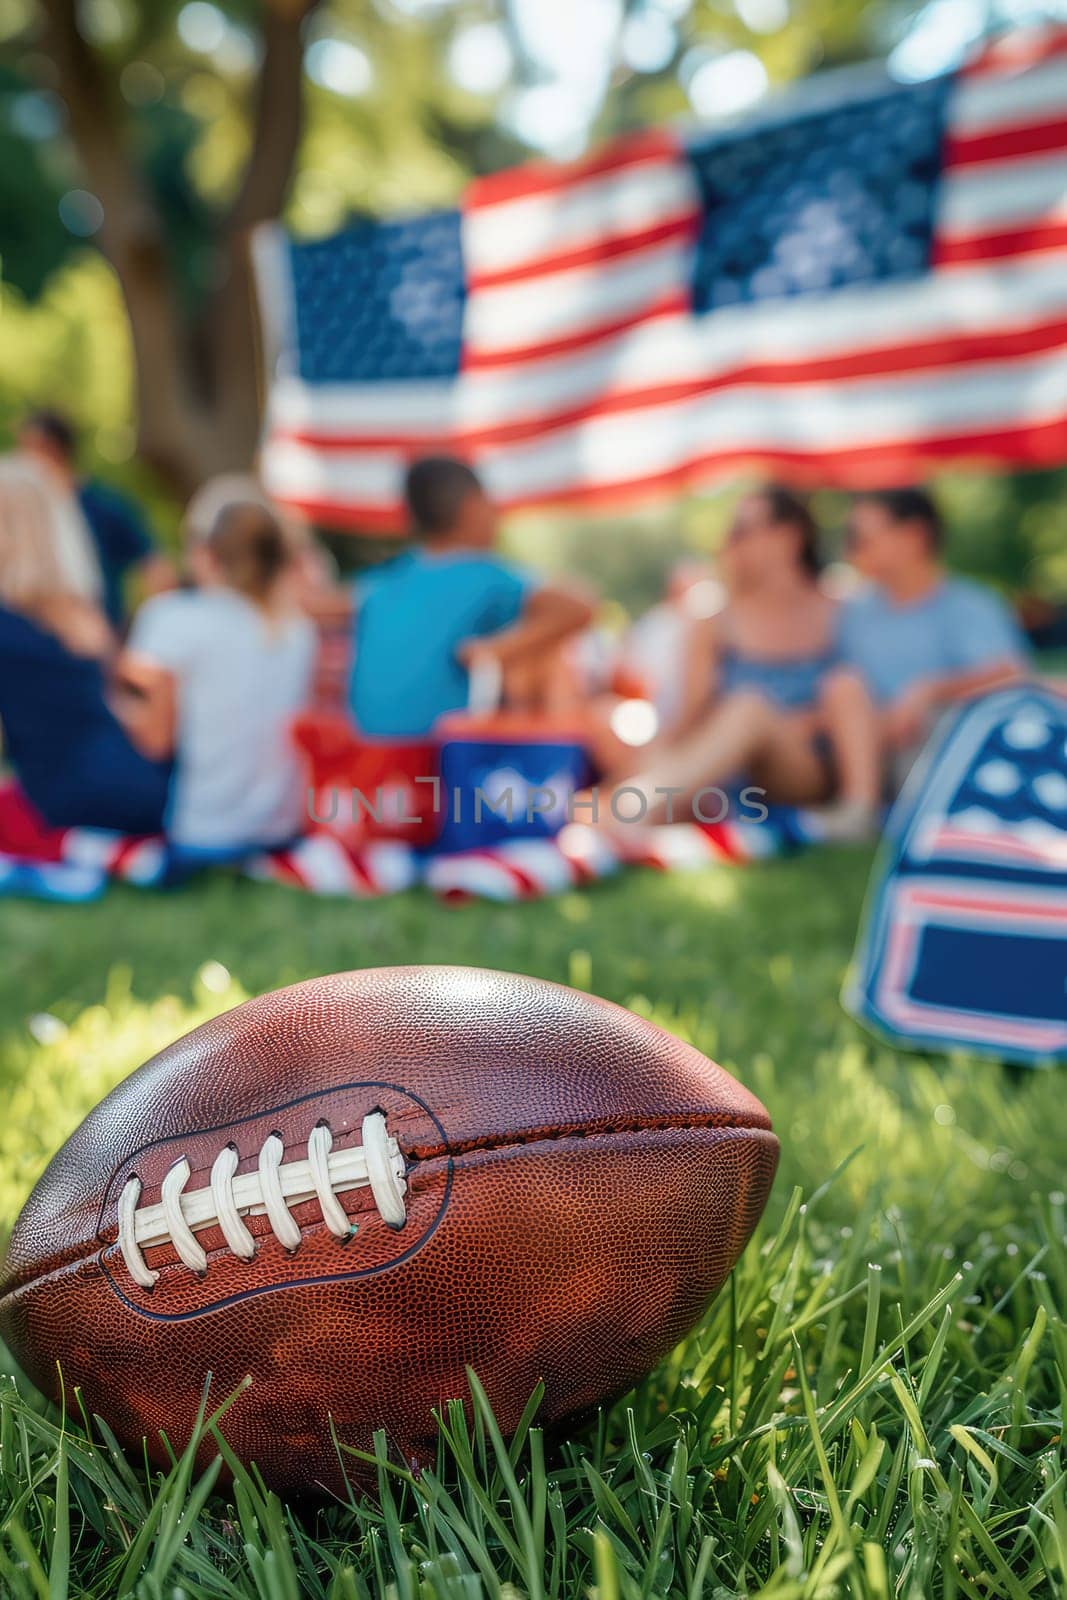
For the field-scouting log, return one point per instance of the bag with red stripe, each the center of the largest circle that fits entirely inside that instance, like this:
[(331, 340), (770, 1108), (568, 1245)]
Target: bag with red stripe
[(964, 943)]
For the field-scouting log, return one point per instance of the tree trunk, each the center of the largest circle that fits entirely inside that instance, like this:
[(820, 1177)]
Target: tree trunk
[(205, 419)]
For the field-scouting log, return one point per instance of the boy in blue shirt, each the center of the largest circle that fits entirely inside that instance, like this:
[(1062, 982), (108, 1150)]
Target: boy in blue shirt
[(424, 619), (920, 638)]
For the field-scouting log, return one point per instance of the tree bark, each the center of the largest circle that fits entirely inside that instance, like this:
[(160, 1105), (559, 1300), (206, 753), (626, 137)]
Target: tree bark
[(229, 325)]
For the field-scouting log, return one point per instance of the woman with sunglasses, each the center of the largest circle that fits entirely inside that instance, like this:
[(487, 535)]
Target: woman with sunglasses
[(767, 701)]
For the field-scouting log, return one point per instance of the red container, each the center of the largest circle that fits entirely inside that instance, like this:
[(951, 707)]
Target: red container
[(362, 789)]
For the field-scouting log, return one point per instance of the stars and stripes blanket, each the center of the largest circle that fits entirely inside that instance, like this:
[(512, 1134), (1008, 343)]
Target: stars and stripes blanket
[(964, 943), (76, 864), (849, 289)]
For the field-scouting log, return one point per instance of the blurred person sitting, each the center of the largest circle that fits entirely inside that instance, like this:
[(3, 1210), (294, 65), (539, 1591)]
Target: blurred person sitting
[(312, 574), (765, 699), (313, 579), (115, 523), (73, 759), (921, 639), (426, 618), (215, 675)]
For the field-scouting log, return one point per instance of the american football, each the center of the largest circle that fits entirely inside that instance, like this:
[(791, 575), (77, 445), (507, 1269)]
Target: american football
[(350, 1190)]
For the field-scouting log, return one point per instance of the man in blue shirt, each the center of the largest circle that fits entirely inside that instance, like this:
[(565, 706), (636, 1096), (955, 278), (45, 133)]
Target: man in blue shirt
[(120, 537), (921, 639), (426, 618)]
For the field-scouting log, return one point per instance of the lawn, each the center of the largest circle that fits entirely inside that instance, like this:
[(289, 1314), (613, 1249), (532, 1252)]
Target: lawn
[(873, 1406)]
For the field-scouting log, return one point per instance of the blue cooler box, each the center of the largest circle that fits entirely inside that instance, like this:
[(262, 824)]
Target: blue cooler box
[(506, 776)]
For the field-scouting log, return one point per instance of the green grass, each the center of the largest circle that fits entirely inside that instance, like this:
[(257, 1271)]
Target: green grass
[(873, 1407)]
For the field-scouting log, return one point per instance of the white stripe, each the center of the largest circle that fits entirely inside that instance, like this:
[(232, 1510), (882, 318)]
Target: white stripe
[(300, 472), (1008, 100), (512, 232), (483, 875), (999, 194), (682, 348), (338, 408), (548, 308), (818, 418)]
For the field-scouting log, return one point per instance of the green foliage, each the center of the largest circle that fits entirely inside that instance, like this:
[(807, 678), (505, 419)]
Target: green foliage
[(34, 241), (797, 39), (1011, 530), (70, 348), (873, 1407), (406, 140)]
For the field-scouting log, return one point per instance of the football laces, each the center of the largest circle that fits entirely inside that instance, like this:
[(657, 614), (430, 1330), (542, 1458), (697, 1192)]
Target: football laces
[(270, 1190)]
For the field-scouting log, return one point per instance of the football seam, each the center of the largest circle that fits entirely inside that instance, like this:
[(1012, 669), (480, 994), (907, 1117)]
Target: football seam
[(491, 1148), (587, 1130), (428, 1150)]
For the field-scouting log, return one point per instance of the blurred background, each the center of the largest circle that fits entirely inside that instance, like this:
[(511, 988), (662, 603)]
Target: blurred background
[(182, 126)]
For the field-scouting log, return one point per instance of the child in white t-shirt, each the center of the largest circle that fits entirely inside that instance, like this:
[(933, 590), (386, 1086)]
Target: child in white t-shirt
[(215, 675)]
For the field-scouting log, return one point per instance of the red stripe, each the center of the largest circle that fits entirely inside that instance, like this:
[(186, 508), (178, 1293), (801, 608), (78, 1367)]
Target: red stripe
[(994, 908), (522, 880), (358, 865), (285, 868), (995, 849), (592, 254), (582, 871), (506, 727), (720, 834), (124, 850), (1024, 48), (1003, 144), (671, 305), (348, 517), (960, 250), (888, 361), (546, 177)]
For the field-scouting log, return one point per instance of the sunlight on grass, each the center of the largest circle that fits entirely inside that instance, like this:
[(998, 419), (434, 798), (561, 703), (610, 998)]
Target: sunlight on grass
[(718, 889), (51, 1081)]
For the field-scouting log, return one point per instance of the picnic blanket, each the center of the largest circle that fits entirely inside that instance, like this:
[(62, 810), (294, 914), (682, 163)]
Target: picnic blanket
[(76, 864), (963, 943)]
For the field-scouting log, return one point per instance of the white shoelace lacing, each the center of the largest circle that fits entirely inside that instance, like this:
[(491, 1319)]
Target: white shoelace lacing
[(272, 1189)]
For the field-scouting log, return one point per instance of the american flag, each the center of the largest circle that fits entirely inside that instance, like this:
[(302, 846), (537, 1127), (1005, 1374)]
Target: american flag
[(858, 288)]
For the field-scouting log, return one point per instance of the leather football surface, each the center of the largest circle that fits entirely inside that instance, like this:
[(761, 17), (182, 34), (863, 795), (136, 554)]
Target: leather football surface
[(352, 1189)]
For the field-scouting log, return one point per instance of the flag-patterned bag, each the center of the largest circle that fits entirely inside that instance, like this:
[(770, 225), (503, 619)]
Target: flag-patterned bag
[(964, 942)]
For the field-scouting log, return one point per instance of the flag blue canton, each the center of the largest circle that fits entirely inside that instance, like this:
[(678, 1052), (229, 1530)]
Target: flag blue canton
[(381, 301), (1017, 776), (841, 196)]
